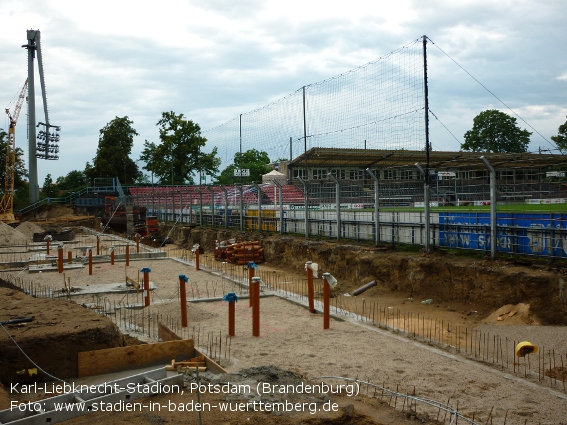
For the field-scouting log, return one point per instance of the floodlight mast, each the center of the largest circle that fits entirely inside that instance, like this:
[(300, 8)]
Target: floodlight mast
[(47, 147)]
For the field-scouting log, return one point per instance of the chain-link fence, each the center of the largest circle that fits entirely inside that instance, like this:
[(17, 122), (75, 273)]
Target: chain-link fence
[(522, 216)]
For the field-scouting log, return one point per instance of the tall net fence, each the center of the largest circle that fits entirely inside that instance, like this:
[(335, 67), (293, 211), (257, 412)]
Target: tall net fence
[(375, 106)]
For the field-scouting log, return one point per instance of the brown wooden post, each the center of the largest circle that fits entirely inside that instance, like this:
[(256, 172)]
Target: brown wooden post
[(183, 294), (97, 244), (90, 261), (47, 241), (231, 298), (251, 266), (256, 307), (326, 301), (146, 271), (137, 242), (69, 257), (112, 255), (127, 255), (231, 315), (60, 259), (197, 259), (310, 289)]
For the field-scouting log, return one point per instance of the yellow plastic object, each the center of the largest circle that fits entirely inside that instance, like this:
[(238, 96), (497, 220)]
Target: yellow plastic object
[(524, 348)]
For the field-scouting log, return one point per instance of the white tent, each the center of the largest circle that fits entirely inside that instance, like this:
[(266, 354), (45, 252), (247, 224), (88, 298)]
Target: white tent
[(274, 175)]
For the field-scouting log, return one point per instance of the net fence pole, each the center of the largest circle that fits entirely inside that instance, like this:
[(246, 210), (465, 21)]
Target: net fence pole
[(241, 177), (241, 226), (200, 203), (211, 190), (280, 189), (259, 192), (338, 203), (424, 173), (492, 206), (376, 206), (306, 205), (225, 192)]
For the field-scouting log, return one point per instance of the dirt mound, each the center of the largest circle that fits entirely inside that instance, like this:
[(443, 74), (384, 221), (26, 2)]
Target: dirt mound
[(53, 327), (10, 236), (55, 212), (28, 228), (509, 314)]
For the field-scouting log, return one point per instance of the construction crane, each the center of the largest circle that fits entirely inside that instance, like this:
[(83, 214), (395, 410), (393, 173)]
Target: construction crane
[(7, 201)]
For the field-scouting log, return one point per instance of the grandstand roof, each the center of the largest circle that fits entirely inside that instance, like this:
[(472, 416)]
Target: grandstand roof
[(373, 158)]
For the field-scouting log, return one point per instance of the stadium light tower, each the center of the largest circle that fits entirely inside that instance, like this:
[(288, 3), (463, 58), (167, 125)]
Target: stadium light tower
[(46, 144)]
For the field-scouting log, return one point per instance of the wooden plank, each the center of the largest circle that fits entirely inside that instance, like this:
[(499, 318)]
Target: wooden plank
[(133, 282), (170, 368), (134, 356), (190, 364), (166, 334)]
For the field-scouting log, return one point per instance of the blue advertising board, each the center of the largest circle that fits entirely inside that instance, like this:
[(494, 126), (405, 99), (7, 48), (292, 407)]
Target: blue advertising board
[(537, 234)]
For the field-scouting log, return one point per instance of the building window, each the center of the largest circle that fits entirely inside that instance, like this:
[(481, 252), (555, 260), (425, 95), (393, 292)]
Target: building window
[(406, 175), (356, 174), (339, 174), (319, 173), (299, 173), (531, 174), (506, 175), (390, 174)]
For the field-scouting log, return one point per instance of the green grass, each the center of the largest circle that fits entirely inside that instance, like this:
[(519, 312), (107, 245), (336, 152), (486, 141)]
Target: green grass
[(519, 208)]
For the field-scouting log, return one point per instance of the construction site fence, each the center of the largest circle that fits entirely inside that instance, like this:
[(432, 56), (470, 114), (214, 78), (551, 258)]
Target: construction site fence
[(524, 225)]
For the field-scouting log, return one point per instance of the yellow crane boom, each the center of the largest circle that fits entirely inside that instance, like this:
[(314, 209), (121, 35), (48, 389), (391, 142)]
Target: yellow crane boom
[(7, 201)]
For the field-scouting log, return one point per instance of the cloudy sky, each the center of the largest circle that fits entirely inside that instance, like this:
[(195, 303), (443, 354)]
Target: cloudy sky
[(215, 59)]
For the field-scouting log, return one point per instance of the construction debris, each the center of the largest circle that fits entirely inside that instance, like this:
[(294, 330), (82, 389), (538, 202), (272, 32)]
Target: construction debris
[(152, 225), (64, 235), (191, 364), (238, 252)]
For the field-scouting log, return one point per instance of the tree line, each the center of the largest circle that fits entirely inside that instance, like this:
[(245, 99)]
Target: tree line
[(178, 157)]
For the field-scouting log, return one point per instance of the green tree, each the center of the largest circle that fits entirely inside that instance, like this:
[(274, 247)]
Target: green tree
[(561, 138), (49, 189), (495, 131), (252, 160), (22, 196), (143, 179), (178, 156), (20, 172), (72, 181), (112, 158)]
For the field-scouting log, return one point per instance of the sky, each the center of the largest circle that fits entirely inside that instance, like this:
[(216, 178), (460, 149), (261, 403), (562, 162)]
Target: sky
[(212, 60)]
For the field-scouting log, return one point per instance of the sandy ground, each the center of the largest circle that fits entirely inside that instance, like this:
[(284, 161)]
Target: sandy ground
[(293, 339)]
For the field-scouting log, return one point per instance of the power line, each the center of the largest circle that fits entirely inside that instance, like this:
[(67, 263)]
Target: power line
[(489, 91)]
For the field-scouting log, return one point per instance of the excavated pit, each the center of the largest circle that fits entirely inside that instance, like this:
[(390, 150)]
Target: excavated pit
[(447, 277)]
